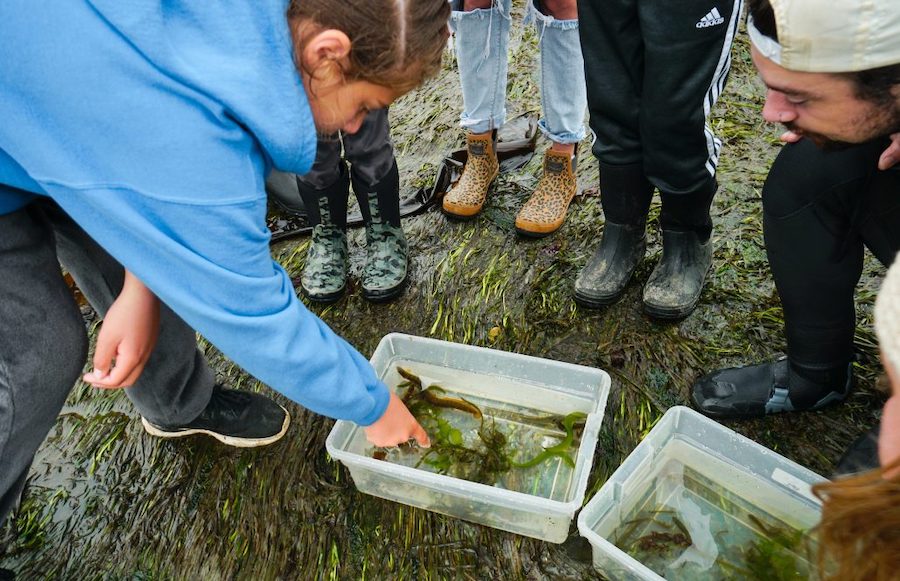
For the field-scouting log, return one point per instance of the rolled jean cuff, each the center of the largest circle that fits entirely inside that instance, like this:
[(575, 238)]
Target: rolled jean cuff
[(481, 125), (561, 137)]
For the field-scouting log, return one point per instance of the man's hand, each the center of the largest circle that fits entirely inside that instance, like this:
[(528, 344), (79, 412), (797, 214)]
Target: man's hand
[(126, 338), (790, 137), (891, 155), (396, 426)]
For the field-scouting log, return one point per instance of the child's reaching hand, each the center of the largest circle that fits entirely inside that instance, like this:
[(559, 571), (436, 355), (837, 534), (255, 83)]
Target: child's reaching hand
[(127, 337), (396, 426)]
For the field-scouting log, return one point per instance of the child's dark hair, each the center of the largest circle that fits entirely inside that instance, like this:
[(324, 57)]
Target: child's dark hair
[(395, 43)]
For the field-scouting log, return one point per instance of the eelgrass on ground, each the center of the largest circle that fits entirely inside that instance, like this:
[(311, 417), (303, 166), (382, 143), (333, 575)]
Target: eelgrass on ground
[(106, 501)]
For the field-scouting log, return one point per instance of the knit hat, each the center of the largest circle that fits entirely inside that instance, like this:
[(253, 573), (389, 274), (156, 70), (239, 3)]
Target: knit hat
[(832, 36), (887, 316)]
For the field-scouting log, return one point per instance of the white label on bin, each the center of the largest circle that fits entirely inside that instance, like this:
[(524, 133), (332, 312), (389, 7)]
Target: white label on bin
[(794, 483)]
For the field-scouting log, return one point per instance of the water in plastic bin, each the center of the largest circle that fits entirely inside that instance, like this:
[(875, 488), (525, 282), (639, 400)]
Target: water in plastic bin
[(689, 524), (523, 448)]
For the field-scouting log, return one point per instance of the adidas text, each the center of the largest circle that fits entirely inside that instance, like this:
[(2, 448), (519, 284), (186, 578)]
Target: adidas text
[(712, 18)]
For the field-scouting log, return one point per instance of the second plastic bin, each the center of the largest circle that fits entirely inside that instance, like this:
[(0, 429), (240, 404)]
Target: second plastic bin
[(698, 501), (510, 382)]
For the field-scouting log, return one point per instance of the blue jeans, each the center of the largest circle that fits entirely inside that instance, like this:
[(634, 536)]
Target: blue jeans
[(482, 39)]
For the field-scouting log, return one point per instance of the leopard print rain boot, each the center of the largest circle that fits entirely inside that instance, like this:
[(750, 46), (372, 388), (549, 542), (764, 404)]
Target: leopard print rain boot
[(467, 197), (545, 210)]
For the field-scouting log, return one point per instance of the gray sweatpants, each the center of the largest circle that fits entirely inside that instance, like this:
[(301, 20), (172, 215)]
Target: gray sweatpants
[(369, 151), (43, 342)]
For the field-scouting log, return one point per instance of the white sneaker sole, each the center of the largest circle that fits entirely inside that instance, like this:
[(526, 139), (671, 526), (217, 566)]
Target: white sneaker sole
[(227, 440)]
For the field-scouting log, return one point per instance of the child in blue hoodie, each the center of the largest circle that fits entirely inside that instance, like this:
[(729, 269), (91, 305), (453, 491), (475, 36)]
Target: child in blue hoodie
[(134, 144)]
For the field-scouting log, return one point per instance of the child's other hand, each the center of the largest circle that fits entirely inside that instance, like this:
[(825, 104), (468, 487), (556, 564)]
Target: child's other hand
[(396, 426), (127, 337)]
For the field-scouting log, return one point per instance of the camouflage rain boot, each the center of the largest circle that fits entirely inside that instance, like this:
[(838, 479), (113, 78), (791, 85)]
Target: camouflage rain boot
[(384, 274), (324, 277), (545, 210), (467, 197)]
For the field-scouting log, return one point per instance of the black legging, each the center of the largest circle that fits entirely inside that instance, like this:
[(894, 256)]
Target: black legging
[(820, 210)]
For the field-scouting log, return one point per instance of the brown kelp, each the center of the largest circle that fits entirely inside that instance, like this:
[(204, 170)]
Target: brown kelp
[(486, 456)]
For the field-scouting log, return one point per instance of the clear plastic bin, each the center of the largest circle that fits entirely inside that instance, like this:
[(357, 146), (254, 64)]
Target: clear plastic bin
[(507, 383), (725, 492)]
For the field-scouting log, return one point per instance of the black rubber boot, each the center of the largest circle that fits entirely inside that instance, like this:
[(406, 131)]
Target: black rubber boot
[(625, 195), (604, 278), (674, 287), (754, 391)]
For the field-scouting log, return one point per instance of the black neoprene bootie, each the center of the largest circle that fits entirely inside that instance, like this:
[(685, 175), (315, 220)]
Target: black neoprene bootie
[(861, 456), (674, 287), (754, 391), (604, 278)]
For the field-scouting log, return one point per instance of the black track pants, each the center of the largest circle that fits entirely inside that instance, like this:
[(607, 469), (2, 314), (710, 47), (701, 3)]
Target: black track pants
[(820, 210), (654, 69)]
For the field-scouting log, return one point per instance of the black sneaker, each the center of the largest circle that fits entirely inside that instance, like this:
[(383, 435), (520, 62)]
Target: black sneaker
[(754, 391), (236, 418), (7, 575)]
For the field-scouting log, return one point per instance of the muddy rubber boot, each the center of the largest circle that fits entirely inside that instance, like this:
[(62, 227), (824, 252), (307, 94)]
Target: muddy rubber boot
[(387, 253), (465, 200), (625, 194), (324, 277), (545, 211), (753, 391), (604, 278), (674, 287)]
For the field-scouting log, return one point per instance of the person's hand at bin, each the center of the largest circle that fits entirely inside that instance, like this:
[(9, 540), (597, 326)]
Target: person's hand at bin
[(396, 426)]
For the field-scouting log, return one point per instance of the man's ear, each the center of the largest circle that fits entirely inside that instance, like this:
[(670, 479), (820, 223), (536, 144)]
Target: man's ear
[(325, 49)]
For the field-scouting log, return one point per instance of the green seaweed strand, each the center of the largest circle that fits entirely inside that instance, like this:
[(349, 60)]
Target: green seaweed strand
[(560, 450)]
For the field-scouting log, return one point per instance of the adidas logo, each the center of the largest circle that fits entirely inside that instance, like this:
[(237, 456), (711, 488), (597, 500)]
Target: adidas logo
[(712, 18)]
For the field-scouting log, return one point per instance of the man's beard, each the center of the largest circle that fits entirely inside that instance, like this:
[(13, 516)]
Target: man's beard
[(876, 125)]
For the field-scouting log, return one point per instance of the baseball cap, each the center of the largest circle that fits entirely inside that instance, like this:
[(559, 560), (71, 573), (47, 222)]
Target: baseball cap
[(832, 36)]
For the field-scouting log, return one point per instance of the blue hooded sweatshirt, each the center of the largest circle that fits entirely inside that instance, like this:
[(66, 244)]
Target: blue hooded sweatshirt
[(153, 123)]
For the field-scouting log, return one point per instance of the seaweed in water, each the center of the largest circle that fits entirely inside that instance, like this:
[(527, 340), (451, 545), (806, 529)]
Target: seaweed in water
[(674, 536), (773, 556), (489, 457)]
